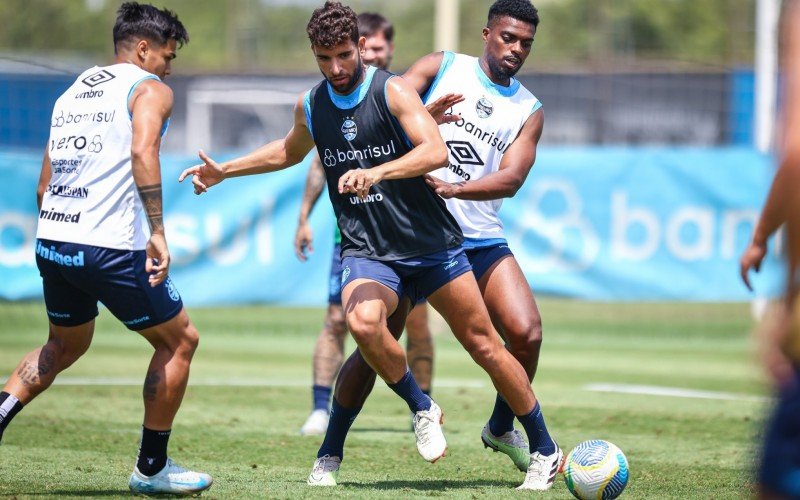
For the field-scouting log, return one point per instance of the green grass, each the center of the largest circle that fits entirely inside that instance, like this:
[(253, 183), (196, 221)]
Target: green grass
[(80, 440)]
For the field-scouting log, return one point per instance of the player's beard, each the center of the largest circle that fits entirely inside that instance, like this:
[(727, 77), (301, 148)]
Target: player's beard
[(353, 81), (500, 72)]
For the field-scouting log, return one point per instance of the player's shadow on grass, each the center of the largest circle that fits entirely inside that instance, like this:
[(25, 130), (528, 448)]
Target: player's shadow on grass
[(433, 485), (392, 430), (77, 493)]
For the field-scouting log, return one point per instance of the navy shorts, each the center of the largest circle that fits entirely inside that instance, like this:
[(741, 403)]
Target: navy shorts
[(75, 277), (779, 471), (335, 281), (482, 258), (415, 278)]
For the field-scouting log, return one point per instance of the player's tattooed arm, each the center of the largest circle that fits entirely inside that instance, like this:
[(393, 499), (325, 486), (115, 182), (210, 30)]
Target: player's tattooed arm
[(152, 203), (151, 106), (315, 183)]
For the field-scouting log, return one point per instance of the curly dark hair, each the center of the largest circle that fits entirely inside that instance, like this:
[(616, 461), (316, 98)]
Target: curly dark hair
[(145, 21), (522, 10), (332, 24)]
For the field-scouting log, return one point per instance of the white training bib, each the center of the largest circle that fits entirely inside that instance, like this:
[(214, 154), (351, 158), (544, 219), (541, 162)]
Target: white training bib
[(92, 198), (491, 118)]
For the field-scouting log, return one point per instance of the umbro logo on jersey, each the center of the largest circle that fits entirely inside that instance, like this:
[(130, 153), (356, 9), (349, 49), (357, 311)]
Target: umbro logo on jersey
[(450, 264), (98, 78), (464, 153), (484, 107)]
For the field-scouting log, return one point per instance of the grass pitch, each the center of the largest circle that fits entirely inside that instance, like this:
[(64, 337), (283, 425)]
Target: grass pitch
[(249, 394)]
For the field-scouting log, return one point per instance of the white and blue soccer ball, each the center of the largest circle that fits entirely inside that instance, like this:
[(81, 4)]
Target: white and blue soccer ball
[(596, 469)]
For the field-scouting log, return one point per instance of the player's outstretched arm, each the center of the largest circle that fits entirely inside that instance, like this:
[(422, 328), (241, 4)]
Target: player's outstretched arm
[(511, 174), (151, 106), (315, 183), (271, 157), (428, 153), (782, 203)]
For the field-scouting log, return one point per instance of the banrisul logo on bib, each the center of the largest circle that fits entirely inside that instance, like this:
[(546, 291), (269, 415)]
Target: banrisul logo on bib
[(484, 107), (349, 129)]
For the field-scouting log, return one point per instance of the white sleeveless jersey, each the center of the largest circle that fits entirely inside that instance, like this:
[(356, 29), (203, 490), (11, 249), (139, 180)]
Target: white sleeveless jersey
[(92, 198), (491, 118)]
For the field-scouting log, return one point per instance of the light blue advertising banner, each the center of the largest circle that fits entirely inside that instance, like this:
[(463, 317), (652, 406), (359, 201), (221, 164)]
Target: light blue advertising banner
[(590, 223)]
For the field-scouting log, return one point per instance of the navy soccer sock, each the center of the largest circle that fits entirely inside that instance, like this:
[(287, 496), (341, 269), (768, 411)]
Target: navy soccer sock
[(322, 395), (152, 451), (538, 437), (408, 389), (9, 407), (502, 419), (338, 427)]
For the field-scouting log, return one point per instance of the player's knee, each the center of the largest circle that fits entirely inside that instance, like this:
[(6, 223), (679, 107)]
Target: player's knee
[(524, 335), (64, 350), (482, 348), (364, 324), (189, 341), (60, 353)]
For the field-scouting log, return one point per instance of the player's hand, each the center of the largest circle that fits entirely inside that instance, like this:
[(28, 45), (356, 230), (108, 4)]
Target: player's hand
[(205, 175), (157, 263), (438, 108), (444, 189), (751, 259), (359, 181), (303, 241)]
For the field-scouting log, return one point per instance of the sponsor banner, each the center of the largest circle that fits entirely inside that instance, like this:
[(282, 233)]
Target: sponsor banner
[(590, 223)]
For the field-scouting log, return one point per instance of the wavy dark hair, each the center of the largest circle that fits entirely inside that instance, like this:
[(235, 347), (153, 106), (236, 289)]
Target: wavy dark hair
[(135, 20), (332, 24), (371, 23), (522, 10)]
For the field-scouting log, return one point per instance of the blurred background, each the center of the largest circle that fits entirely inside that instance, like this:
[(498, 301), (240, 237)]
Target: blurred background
[(652, 169)]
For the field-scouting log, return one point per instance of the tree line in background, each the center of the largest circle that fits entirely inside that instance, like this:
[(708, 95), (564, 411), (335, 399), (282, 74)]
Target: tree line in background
[(268, 36)]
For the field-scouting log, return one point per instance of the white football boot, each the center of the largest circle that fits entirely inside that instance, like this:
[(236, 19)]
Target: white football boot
[(428, 430), (325, 471), (316, 424), (172, 479), (542, 470)]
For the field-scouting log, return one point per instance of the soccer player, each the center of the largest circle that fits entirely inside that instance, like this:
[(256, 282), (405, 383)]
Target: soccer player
[(779, 471), (378, 33), (100, 171), (399, 242), (492, 148)]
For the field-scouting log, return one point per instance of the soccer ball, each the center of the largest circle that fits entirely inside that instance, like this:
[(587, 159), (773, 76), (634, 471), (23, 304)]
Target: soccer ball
[(596, 469)]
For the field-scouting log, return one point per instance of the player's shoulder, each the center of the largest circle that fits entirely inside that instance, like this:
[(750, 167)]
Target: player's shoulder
[(155, 87)]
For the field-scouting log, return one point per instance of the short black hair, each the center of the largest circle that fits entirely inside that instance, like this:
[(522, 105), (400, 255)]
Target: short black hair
[(522, 10), (370, 23), (332, 24), (135, 20)]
